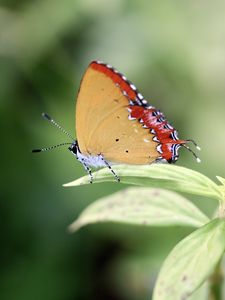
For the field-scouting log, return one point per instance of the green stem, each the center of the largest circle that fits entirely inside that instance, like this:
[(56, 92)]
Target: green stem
[(216, 283)]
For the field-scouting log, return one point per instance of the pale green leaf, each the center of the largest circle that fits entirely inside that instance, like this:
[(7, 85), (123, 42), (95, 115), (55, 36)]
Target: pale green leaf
[(158, 175), (143, 206), (222, 187), (221, 179), (191, 262), (201, 293)]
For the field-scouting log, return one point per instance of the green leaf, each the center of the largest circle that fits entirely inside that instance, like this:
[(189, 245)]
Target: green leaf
[(201, 293), (222, 187), (158, 175), (191, 262), (221, 179), (142, 206)]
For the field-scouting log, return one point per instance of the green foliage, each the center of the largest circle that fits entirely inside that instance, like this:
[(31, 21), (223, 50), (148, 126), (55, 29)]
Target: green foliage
[(193, 259), (158, 175), (191, 262), (142, 206), (173, 51), (221, 179)]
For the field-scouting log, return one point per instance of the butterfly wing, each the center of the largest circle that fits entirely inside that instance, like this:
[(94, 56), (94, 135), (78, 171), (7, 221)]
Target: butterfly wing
[(103, 121)]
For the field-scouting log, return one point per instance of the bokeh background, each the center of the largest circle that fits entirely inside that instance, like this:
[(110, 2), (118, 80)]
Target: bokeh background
[(174, 52)]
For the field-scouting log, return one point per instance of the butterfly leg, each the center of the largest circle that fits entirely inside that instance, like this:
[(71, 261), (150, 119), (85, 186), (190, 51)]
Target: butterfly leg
[(87, 169), (110, 168), (74, 149)]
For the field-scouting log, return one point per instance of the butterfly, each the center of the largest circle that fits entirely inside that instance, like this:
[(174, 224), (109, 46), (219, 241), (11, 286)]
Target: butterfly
[(115, 124)]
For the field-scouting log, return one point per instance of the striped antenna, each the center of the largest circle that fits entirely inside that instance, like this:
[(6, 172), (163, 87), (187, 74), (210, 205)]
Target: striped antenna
[(194, 143), (50, 148), (48, 118), (189, 149)]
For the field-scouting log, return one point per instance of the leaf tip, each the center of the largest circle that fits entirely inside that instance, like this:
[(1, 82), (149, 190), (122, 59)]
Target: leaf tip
[(69, 184), (75, 226), (221, 179), (73, 183)]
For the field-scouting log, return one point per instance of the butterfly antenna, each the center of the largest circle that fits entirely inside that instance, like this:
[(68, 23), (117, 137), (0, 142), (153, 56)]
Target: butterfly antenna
[(189, 149), (50, 148), (48, 118), (194, 143)]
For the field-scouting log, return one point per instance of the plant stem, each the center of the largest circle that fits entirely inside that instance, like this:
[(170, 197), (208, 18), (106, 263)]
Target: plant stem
[(216, 283)]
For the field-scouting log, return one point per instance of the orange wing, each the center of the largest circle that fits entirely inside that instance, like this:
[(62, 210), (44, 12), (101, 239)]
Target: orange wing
[(103, 122)]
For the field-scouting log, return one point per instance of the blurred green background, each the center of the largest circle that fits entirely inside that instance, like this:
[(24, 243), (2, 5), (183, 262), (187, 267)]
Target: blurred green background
[(174, 52)]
